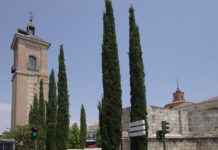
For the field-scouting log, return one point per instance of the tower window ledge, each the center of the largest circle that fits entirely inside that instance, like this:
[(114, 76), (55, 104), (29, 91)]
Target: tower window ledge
[(33, 70)]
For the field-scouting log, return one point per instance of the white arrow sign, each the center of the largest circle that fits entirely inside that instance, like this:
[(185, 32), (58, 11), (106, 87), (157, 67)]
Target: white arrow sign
[(135, 134), (137, 123), (137, 128)]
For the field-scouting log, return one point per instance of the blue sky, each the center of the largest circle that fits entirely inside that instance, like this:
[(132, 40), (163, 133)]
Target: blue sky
[(179, 41)]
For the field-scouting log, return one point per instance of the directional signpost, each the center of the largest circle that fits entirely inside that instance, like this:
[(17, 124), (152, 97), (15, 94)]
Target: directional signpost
[(137, 128)]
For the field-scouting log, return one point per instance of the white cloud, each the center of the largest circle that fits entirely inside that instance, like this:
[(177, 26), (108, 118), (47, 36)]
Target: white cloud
[(5, 116)]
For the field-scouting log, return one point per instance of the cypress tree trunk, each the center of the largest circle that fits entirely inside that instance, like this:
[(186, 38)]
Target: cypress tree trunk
[(111, 103), (62, 127), (51, 113), (83, 128), (42, 121), (138, 97)]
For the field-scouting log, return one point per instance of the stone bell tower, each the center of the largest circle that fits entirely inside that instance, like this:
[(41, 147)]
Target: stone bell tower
[(178, 98), (30, 65)]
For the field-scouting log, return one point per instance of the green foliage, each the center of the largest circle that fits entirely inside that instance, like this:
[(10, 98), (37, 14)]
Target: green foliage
[(137, 85), (31, 115), (111, 103), (8, 135), (51, 113), (22, 135), (34, 113), (37, 118), (62, 127), (42, 122), (74, 137), (98, 138), (83, 128), (98, 135), (41, 105)]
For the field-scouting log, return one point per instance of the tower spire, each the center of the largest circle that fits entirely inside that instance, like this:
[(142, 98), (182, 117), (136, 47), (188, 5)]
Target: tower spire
[(30, 26), (177, 82), (178, 97)]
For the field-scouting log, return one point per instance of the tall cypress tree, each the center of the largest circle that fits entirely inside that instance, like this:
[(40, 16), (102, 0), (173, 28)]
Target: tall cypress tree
[(111, 103), (31, 116), (62, 128), (41, 116), (137, 83), (83, 128), (34, 115), (41, 105), (51, 113)]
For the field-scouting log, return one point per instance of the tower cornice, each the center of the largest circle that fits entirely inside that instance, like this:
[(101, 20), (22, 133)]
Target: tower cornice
[(28, 37)]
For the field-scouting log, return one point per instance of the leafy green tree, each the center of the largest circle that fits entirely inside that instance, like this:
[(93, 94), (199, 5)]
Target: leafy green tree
[(83, 128), (22, 135), (74, 137), (8, 134), (51, 113), (62, 127), (137, 83), (41, 118), (111, 103)]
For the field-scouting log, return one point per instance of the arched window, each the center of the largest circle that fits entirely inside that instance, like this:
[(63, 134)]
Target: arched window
[(32, 64)]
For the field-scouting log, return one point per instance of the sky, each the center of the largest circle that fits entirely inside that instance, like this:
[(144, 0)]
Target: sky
[(179, 40)]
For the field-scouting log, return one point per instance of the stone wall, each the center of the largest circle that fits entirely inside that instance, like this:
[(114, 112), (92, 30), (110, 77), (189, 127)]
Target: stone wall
[(178, 120), (204, 143), (192, 127), (202, 118), (203, 122)]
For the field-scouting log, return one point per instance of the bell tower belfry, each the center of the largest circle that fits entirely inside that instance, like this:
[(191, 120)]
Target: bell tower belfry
[(178, 98), (30, 65)]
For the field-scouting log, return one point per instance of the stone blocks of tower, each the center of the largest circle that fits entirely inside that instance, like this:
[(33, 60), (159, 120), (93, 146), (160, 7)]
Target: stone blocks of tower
[(30, 65)]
